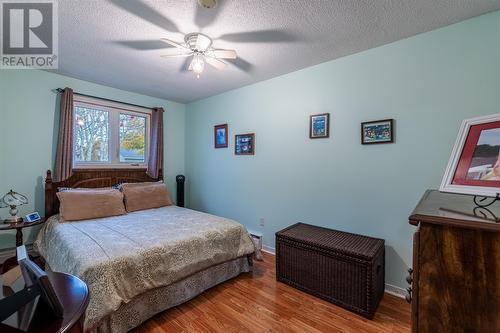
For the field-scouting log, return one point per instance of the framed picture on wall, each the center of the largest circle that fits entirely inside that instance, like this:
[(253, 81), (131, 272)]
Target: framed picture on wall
[(244, 144), (319, 126), (220, 136), (378, 131), (474, 165)]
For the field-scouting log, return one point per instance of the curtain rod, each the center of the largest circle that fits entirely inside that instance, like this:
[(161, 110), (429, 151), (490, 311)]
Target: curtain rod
[(61, 90)]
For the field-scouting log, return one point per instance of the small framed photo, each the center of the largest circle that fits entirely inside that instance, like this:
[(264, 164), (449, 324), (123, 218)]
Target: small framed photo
[(220, 136), (474, 165), (378, 131), (319, 126), (244, 144)]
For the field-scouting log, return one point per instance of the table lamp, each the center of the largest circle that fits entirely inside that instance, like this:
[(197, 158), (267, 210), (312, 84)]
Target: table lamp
[(13, 200)]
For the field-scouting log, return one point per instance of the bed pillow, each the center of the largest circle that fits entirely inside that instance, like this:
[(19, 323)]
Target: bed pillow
[(140, 196), (90, 204)]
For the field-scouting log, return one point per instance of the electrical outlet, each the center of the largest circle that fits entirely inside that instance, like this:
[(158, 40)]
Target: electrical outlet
[(262, 222)]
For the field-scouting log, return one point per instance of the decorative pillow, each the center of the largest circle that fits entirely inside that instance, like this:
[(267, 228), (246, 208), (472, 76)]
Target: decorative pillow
[(140, 196), (88, 204)]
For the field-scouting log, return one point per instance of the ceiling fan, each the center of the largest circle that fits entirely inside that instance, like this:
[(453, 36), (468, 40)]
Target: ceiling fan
[(199, 46)]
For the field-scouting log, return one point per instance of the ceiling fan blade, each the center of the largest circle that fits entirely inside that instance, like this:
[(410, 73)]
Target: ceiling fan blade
[(176, 52), (224, 54), (142, 45), (180, 55), (202, 42), (261, 36), (144, 11), (171, 42), (219, 64), (241, 64)]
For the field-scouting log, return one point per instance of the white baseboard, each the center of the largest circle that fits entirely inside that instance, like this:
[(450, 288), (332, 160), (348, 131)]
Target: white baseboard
[(389, 288), (268, 249), (395, 290)]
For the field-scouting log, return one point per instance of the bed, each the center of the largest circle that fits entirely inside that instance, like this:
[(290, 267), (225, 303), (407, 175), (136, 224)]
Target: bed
[(139, 264)]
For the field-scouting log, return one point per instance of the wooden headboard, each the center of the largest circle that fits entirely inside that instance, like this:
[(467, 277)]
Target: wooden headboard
[(91, 178)]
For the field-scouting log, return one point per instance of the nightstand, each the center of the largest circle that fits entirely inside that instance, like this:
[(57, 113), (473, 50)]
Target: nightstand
[(11, 262)]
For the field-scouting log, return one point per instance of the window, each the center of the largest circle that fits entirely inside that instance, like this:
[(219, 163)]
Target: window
[(132, 138), (91, 135), (109, 134)]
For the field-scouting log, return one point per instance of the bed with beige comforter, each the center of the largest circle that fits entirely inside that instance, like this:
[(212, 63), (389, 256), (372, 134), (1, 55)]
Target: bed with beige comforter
[(122, 257)]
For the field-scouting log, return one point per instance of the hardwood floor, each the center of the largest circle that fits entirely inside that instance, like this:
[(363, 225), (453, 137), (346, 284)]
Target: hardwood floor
[(256, 302)]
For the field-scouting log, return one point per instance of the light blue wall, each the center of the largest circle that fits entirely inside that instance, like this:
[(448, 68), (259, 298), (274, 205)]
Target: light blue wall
[(28, 133), (427, 83)]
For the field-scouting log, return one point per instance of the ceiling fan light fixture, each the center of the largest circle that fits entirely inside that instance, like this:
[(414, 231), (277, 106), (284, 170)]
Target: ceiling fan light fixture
[(200, 47), (198, 64)]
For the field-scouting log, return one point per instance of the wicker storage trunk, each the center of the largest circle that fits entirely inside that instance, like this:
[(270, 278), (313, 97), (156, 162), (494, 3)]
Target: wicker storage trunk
[(343, 268)]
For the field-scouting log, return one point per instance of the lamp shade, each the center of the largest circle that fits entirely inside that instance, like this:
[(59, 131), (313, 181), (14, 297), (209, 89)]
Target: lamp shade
[(13, 199)]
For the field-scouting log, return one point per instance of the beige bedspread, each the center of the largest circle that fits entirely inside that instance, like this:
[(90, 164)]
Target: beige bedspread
[(123, 256)]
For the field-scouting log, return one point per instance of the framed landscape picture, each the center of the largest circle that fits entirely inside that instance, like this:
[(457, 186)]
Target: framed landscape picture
[(378, 131), (319, 126), (474, 166), (220, 136), (244, 144)]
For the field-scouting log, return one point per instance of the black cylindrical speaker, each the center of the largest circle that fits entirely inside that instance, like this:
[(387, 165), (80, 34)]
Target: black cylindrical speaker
[(180, 179)]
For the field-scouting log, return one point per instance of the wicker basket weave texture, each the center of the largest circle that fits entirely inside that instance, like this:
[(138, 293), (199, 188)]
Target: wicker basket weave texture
[(343, 268), (360, 246)]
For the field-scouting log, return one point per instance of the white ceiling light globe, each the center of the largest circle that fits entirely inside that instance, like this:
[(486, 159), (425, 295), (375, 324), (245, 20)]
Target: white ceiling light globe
[(198, 64)]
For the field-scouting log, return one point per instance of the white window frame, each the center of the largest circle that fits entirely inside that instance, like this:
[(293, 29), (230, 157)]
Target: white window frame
[(114, 110)]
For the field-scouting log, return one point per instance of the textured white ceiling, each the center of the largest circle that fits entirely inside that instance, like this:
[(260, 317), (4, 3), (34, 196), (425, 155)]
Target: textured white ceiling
[(116, 42)]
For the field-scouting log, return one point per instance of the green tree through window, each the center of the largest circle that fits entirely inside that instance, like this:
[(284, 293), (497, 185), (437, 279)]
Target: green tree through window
[(132, 138)]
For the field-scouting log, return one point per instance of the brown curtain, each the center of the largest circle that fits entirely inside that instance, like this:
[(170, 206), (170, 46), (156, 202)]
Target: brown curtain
[(155, 163), (64, 155)]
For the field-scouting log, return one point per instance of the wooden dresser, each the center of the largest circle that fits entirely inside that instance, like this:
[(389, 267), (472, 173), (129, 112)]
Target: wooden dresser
[(455, 282)]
